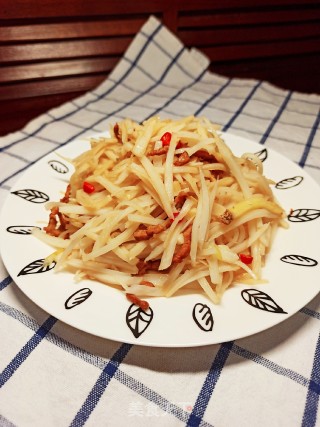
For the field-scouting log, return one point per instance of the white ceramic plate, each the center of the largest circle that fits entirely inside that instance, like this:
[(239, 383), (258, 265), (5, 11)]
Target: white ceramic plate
[(182, 321)]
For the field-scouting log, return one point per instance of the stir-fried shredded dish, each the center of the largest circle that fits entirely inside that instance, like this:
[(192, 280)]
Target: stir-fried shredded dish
[(163, 206)]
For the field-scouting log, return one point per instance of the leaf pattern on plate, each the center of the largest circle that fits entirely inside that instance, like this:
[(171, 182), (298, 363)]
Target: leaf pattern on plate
[(77, 298), (261, 300), (286, 183), (21, 229), (58, 166), (36, 267), (34, 196), (138, 320), (299, 260), (303, 215), (262, 154), (202, 315)]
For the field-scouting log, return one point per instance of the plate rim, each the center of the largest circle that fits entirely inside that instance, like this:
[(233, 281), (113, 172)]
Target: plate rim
[(150, 343)]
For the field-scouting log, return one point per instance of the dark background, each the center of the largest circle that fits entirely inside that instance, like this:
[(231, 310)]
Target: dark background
[(53, 51)]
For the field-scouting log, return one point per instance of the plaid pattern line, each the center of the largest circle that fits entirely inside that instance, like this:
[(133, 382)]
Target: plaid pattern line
[(89, 377)]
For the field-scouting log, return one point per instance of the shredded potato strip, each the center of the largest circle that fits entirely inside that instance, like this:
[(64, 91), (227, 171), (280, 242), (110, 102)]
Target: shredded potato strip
[(233, 166), (168, 171), (195, 229), (157, 183), (205, 220)]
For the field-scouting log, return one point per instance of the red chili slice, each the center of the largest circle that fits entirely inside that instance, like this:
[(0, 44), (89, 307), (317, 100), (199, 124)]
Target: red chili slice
[(87, 187), (175, 214), (181, 144), (246, 259), (166, 138)]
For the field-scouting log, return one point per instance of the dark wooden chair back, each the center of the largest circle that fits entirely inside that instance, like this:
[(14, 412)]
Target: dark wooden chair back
[(52, 51)]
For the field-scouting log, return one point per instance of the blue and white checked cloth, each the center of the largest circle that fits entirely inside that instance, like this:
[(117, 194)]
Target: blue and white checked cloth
[(54, 375)]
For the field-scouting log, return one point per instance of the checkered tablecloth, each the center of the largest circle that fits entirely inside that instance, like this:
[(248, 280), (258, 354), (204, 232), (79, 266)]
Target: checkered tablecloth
[(54, 375)]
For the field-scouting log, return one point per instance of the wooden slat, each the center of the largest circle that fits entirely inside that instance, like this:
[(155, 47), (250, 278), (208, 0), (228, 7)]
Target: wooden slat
[(244, 51), (247, 18), (70, 30), (289, 72), (57, 68), (20, 9), (68, 49), (48, 87), (191, 5), (249, 34)]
